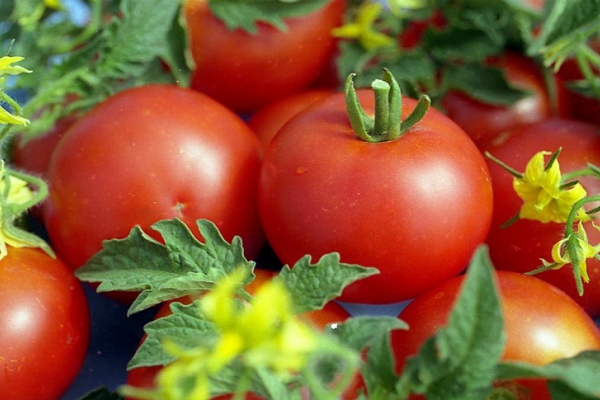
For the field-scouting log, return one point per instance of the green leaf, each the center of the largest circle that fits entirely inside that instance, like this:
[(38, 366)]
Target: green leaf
[(568, 26), (460, 45), (186, 327), (359, 332), (373, 333), (125, 52), (313, 285), (182, 265), (101, 393), (485, 84), (460, 361), (132, 40), (576, 376), (244, 14)]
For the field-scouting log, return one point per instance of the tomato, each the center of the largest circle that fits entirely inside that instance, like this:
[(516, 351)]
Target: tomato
[(245, 71), (267, 121), (415, 208), (520, 246), (33, 155), (481, 120), (542, 323), (45, 326), (332, 313), (151, 153)]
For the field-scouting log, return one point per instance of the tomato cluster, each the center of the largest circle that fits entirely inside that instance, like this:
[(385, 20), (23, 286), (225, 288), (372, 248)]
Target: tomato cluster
[(295, 178)]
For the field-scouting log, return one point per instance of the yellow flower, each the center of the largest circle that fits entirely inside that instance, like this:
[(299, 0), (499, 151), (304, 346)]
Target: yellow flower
[(55, 4), (18, 193), (362, 29), (543, 198), (8, 118), (262, 334), (399, 7), (6, 68), (577, 243)]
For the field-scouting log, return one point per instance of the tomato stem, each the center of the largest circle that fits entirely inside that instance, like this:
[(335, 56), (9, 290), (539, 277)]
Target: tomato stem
[(386, 124)]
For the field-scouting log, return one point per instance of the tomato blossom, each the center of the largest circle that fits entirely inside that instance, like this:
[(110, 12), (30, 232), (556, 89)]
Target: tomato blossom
[(574, 249), (261, 334), (362, 29), (544, 197), (7, 68), (15, 192), (55, 4)]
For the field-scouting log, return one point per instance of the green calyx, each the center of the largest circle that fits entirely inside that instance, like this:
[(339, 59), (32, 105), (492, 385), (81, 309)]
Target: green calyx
[(386, 124)]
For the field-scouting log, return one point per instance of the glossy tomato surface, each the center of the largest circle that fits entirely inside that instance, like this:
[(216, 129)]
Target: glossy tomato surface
[(268, 120), (542, 323), (45, 326), (150, 153), (520, 246), (246, 70), (415, 208), (481, 120)]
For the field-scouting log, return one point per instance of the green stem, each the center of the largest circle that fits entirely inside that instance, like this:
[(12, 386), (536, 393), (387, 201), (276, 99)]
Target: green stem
[(387, 124)]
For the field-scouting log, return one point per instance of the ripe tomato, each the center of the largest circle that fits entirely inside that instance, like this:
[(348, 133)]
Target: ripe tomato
[(415, 208), (542, 323), (34, 154), (267, 121), (45, 326), (520, 246), (150, 153), (245, 71), (481, 120), (143, 377)]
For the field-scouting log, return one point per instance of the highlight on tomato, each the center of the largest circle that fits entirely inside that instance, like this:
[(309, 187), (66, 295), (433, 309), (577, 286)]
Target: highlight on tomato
[(414, 204)]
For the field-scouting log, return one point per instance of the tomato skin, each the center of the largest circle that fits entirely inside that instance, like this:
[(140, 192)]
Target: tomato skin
[(45, 326), (520, 246), (246, 71), (392, 205), (144, 377), (267, 121), (542, 323), (151, 153), (481, 120)]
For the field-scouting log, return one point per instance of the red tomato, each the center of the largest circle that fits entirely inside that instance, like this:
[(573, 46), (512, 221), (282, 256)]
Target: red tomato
[(151, 153), (34, 154), (45, 326), (520, 246), (144, 377), (481, 120), (542, 323), (246, 71), (415, 208), (267, 121)]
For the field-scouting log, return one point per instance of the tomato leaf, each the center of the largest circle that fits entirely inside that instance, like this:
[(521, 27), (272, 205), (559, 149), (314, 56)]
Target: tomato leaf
[(125, 52), (244, 14), (161, 272), (460, 361), (575, 377), (186, 328), (313, 285), (373, 333), (482, 83), (101, 393)]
